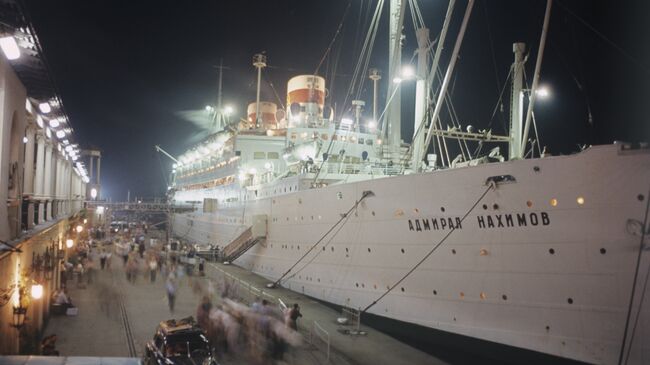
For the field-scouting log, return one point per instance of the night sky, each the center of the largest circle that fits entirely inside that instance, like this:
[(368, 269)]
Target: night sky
[(129, 71)]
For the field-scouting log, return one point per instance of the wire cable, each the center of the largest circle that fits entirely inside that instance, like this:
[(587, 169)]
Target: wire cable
[(343, 217), (490, 185)]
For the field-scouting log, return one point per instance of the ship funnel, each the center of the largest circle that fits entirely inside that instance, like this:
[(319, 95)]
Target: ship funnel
[(305, 99), (268, 112)]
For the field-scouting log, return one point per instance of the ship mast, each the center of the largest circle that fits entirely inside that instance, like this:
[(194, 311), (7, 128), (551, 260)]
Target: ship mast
[(392, 124), (259, 61), (421, 99), (516, 101)]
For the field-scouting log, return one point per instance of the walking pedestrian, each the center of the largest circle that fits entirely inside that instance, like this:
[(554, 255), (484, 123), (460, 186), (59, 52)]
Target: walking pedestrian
[(171, 292), (102, 259), (153, 267), (293, 316)]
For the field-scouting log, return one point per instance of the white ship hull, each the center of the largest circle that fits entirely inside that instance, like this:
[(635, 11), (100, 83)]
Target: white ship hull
[(546, 263)]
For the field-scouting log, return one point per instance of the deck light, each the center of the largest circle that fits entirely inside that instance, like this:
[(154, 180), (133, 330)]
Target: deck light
[(69, 243), (39, 121), (45, 107), (79, 228), (10, 47), (25, 139), (397, 80), (54, 123), (408, 72), (372, 124), (60, 134), (543, 92), (228, 110)]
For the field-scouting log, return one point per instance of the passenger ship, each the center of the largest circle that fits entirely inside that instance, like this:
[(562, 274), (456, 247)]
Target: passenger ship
[(545, 254)]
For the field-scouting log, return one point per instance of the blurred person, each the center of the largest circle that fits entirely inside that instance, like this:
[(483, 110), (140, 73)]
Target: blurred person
[(171, 288)]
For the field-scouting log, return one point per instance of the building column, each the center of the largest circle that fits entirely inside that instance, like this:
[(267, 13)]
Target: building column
[(40, 175), (47, 185), (28, 181)]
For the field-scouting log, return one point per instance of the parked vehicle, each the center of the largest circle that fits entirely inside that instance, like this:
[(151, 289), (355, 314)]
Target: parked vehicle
[(179, 342)]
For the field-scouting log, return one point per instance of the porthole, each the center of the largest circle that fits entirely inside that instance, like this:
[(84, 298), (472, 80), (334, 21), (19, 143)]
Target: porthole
[(453, 251), (504, 297), (485, 207), (442, 209), (399, 213), (495, 206), (403, 289), (368, 249), (363, 285), (529, 204), (323, 248), (483, 252), (435, 292), (483, 296), (640, 197), (357, 284), (536, 168), (580, 200), (570, 300), (603, 251), (548, 328), (462, 295), (332, 248), (553, 202), (373, 213), (346, 250), (375, 286), (551, 251), (312, 217), (416, 210), (402, 250), (299, 200)]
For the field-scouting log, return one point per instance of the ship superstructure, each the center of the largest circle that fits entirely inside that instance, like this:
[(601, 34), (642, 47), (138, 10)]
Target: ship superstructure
[(545, 254)]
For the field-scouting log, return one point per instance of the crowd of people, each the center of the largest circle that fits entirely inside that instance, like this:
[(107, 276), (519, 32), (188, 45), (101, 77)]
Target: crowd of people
[(260, 331)]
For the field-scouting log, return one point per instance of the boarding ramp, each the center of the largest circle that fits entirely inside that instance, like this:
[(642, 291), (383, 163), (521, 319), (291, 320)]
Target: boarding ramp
[(247, 239)]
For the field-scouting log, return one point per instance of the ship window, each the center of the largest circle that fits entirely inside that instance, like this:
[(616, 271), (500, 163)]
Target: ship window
[(603, 251), (360, 140), (570, 300), (237, 153), (369, 142), (553, 202), (273, 155), (529, 204), (462, 295), (259, 155), (483, 295), (580, 200)]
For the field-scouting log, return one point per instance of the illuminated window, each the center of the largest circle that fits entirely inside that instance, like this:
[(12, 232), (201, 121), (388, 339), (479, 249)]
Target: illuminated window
[(553, 202), (580, 200)]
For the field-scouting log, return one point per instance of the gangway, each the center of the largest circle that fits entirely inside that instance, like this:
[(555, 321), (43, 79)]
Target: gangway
[(247, 239), (140, 207)]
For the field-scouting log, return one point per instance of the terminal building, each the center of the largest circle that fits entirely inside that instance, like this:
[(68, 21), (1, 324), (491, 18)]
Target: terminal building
[(42, 180)]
